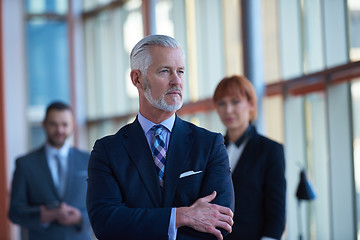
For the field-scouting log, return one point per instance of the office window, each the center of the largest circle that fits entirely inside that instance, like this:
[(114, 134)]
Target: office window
[(317, 166), (46, 6), (109, 38), (290, 38), (209, 46), (47, 60), (163, 13), (313, 37), (336, 49), (306, 148), (355, 96), (354, 27), (232, 37), (271, 41), (295, 156), (91, 4), (273, 110)]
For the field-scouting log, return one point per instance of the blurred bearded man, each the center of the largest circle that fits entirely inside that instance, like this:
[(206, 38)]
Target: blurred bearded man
[(48, 191)]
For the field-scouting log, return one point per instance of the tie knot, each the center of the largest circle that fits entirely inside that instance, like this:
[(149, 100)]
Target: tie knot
[(157, 130)]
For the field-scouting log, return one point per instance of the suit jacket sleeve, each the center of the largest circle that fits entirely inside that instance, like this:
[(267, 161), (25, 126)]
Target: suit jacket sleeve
[(217, 178), (275, 192), (21, 212), (109, 215), (79, 163)]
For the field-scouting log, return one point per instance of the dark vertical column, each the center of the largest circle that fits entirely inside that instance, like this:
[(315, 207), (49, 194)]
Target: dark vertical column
[(4, 226), (253, 50)]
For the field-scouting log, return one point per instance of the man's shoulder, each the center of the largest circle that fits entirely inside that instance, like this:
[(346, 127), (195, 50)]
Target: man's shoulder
[(80, 152), (35, 153)]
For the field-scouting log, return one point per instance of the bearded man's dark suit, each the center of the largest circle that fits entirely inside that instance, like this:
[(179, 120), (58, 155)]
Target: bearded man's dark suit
[(124, 197), (260, 189), (33, 186)]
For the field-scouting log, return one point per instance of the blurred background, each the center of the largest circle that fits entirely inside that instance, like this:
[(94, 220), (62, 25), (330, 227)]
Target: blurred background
[(303, 56)]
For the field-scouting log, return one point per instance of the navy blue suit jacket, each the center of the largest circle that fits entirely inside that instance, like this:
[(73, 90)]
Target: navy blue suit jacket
[(33, 186), (124, 199), (260, 189)]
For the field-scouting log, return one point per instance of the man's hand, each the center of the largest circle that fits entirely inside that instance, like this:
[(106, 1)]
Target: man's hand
[(204, 216), (66, 215), (47, 215), (69, 215)]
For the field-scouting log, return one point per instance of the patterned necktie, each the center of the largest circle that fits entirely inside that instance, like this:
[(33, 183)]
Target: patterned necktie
[(61, 175), (159, 154)]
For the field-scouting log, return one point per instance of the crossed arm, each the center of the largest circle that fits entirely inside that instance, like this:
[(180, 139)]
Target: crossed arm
[(206, 217)]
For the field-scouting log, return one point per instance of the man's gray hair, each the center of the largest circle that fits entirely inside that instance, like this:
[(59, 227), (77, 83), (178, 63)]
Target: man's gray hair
[(140, 57)]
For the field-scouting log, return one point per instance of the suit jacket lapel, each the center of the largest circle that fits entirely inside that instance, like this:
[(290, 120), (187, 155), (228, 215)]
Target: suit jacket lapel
[(177, 154), (137, 147)]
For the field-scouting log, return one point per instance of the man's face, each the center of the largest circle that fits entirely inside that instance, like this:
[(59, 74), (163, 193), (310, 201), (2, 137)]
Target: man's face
[(163, 83), (58, 127)]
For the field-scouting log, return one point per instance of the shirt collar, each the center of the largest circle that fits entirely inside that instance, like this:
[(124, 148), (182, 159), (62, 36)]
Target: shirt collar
[(241, 139), (63, 151), (146, 124)]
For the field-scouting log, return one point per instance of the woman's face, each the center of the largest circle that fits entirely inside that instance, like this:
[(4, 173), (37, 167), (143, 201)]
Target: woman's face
[(234, 112)]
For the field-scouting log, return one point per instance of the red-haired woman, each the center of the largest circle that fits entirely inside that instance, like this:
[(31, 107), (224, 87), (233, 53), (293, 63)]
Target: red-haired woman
[(257, 163)]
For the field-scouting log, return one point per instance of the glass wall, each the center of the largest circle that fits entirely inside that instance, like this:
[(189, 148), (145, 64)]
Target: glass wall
[(354, 29), (317, 166), (355, 96), (47, 60), (291, 52), (313, 37), (109, 38)]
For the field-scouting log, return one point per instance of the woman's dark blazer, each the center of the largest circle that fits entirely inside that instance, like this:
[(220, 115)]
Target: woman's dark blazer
[(260, 189)]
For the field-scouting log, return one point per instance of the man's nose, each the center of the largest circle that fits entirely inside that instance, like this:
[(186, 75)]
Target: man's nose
[(60, 129), (175, 79)]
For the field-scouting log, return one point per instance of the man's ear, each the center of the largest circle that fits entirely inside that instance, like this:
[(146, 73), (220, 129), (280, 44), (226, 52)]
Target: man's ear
[(135, 76)]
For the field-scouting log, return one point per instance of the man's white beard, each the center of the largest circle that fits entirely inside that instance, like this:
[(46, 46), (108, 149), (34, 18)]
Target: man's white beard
[(160, 103)]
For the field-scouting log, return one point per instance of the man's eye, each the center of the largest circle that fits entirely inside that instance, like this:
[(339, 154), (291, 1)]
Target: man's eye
[(164, 71)]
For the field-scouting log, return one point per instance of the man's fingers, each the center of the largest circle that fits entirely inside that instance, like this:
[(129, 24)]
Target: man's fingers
[(210, 197), (226, 219), (226, 225), (225, 210)]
